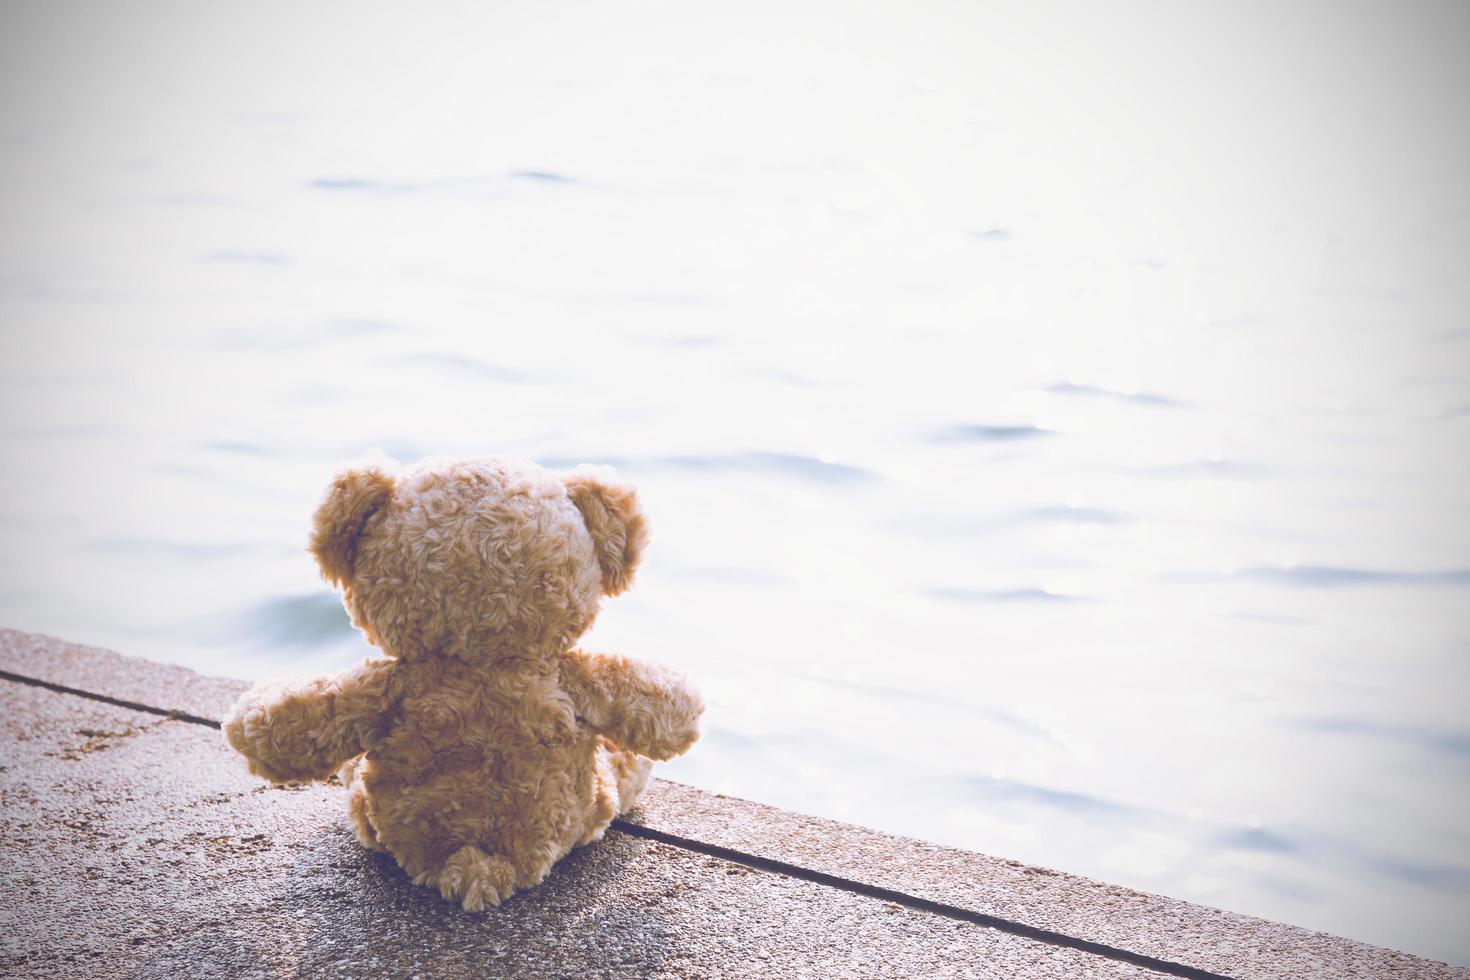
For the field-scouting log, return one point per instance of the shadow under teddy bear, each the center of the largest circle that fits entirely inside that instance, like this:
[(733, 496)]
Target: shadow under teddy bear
[(339, 911)]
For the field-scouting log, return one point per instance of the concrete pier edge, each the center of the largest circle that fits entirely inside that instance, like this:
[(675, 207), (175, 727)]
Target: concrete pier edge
[(1110, 927)]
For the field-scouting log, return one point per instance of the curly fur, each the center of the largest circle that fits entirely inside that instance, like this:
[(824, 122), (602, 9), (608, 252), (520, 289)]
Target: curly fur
[(484, 746)]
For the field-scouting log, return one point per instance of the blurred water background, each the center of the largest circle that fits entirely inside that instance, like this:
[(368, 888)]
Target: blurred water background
[(1055, 420)]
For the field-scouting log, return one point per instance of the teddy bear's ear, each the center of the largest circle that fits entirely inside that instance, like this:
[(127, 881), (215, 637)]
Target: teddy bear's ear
[(615, 521), (354, 496)]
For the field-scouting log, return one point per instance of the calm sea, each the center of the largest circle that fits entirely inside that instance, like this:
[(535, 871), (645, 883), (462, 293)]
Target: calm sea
[(1055, 424)]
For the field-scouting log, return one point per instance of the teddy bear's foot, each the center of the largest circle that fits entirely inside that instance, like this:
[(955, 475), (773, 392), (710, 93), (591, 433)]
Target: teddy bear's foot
[(357, 805), (362, 824), (631, 772), (621, 778), (472, 878)]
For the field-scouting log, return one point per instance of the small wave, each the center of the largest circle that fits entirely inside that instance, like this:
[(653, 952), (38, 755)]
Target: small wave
[(1321, 848), (644, 297), (1451, 742), (356, 184), (189, 550), (368, 186), (1219, 468), (544, 176), (776, 464), (988, 433), (1257, 839), (783, 464), (469, 368), (1285, 887), (365, 186), (932, 699), (778, 376), (360, 327), (1076, 515), (301, 621), (731, 575), (1330, 576), (239, 449), (248, 258), (1004, 595), (1441, 877), (1129, 397), (999, 789), (680, 342), (302, 336)]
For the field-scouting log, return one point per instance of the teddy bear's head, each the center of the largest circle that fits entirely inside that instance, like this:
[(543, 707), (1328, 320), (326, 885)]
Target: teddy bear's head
[(479, 559)]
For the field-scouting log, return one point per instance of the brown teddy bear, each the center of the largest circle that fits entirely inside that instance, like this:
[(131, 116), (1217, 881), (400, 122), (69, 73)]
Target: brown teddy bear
[(484, 746)]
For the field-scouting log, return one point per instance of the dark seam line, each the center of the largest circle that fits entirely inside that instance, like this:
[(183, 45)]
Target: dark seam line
[(914, 902), (764, 864), (119, 702)]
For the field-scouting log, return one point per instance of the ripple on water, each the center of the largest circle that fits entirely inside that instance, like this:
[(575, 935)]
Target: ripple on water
[(1257, 839), (1029, 594), (448, 365), (1455, 743), (185, 550), (242, 257), (1328, 576), (755, 578), (778, 376), (988, 433), (296, 336), (997, 789), (239, 448), (1142, 398), (787, 465), (363, 185), (1076, 515), (360, 327), (934, 699), (360, 184), (1331, 576), (543, 176), (312, 620)]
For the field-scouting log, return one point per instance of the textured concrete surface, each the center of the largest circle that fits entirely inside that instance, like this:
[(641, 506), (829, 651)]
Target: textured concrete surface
[(1181, 932), (135, 845), (125, 678), (132, 844)]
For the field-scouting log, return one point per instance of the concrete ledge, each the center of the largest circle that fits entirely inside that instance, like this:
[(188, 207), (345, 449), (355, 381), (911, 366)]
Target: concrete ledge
[(101, 671), (135, 844)]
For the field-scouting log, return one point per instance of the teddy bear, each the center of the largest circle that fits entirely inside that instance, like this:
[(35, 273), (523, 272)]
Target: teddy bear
[(483, 745)]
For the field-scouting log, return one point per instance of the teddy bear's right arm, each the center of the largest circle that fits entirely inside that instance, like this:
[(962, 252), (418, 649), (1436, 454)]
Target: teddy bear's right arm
[(644, 707), (306, 730)]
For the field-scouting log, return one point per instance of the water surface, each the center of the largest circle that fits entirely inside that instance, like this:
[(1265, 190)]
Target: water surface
[(1053, 425)]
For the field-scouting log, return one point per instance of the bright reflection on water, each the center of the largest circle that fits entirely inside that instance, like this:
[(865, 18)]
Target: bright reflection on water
[(1056, 428)]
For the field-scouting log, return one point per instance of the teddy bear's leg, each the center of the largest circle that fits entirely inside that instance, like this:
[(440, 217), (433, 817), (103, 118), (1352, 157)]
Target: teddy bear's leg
[(357, 805), (362, 824), (632, 771), (621, 777), (472, 878)]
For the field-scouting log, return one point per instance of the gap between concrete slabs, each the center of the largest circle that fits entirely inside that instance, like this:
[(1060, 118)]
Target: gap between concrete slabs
[(1162, 934), (137, 846), (753, 861)]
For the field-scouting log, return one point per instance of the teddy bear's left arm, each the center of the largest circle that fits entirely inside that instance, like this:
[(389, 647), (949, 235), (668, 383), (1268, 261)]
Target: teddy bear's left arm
[(643, 707), (306, 730)]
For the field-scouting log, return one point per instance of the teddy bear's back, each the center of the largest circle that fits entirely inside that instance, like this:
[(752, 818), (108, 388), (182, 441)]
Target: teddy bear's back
[(495, 758)]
